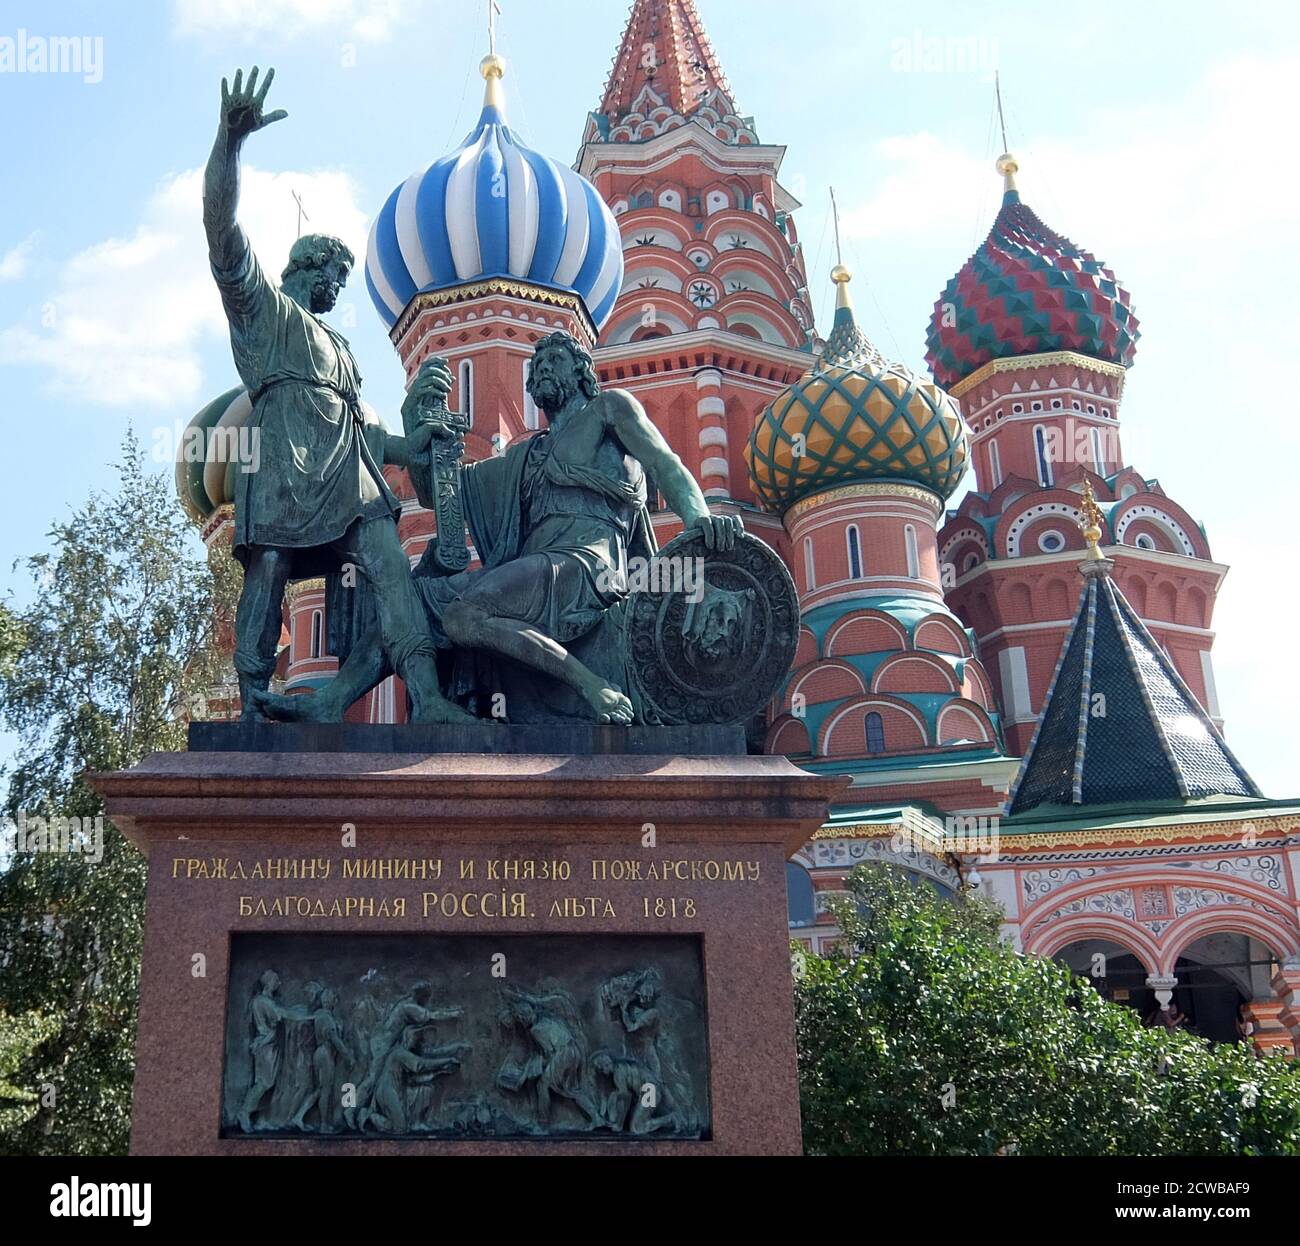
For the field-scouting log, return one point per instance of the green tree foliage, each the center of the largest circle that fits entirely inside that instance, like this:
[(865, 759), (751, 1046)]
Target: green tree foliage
[(924, 1034), (102, 666), (19, 1038)]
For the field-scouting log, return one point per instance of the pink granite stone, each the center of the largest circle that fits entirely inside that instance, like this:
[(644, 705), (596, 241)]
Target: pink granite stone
[(224, 807)]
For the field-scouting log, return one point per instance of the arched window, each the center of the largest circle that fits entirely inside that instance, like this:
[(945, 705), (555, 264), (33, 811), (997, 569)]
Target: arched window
[(317, 630), (530, 407), (799, 895), (467, 389), (875, 734), (809, 567), (913, 558), (1043, 454), (1094, 435), (995, 463), (855, 553)]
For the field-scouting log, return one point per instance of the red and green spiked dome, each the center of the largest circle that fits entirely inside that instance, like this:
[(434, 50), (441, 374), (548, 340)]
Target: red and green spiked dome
[(1027, 291), (855, 417)]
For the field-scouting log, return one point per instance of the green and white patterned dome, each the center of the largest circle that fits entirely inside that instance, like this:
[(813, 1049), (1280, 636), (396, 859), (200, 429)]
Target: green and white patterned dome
[(855, 417)]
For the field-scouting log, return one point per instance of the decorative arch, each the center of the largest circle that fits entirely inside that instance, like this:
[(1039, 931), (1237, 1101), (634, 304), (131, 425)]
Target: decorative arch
[(1135, 940), (954, 548), (1056, 597), (744, 310), (843, 734), (827, 680), (1170, 518), (865, 631), (807, 648), (653, 277), (940, 634), (634, 320), (731, 229), (914, 672), (976, 686), (1268, 923), (963, 720), (789, 737), (1059, 504), (1135, 589), (1163, 601), (665, 229)]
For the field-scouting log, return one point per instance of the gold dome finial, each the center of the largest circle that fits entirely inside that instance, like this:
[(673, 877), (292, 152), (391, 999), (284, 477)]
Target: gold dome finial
[(1008, 166), (493, 69), (1091, 523), (841, 276)]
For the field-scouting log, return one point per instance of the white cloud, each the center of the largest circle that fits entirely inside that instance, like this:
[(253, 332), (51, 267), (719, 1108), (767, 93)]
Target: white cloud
[(14, 262), (1202, 169), (371, 21), (127, 317)]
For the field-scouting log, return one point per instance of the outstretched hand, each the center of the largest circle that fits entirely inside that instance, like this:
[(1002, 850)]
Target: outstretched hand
[(241, 106)]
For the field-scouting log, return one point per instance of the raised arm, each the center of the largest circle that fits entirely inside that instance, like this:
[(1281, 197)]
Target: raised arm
[(645, 443), (241, 115)]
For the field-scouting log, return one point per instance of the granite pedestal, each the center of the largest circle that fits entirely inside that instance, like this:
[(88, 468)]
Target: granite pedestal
[(599, 937)]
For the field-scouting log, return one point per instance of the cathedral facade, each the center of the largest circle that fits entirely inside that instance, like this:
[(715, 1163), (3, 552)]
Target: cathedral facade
[(1021, 688)]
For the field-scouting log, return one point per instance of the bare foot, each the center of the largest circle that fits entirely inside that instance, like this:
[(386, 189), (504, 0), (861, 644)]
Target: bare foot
[(312, 708), (439, 710), (609, 704)]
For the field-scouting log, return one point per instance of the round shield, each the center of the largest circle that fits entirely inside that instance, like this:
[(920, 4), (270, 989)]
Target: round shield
[(711, 634)]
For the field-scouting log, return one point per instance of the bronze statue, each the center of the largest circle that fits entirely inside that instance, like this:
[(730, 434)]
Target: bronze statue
[(318, 498), (555, 520)]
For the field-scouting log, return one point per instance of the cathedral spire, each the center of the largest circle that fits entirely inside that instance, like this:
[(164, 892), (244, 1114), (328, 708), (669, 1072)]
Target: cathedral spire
[(666, 49), (1119, 724)]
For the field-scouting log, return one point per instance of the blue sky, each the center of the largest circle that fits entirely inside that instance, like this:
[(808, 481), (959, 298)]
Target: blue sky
[(1156, 134)]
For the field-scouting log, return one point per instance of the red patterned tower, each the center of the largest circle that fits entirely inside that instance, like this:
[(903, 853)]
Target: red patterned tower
[(1033, 336), (714, 319)]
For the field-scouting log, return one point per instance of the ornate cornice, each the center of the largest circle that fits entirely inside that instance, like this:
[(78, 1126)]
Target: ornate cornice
[(1052, 359), (501, 286), (1275, 829), (300, 588), (867, 489), (1271, 834)]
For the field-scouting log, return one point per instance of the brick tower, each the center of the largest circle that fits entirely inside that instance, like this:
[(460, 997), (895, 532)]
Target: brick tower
[(714, 319), (1033, 337)]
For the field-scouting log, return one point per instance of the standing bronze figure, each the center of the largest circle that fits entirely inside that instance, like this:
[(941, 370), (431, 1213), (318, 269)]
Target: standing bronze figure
[(318, 499)]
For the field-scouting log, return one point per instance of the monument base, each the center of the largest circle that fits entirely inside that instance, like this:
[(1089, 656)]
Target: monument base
[(447, 953)]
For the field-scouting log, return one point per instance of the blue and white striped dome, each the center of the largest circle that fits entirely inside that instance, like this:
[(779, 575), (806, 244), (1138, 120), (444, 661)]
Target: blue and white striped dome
[(494, 208)]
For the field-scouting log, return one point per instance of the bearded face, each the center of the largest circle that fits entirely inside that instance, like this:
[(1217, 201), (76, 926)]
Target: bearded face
[(552, 380), (327, 282)]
